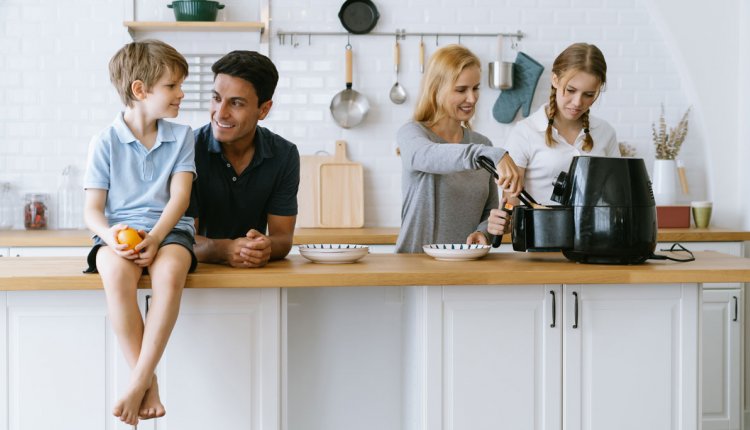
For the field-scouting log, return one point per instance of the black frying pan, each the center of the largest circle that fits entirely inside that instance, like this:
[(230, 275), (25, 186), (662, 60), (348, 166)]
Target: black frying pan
[(358, 16)]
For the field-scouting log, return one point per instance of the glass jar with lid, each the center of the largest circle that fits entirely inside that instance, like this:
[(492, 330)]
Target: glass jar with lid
[(69, 201), (35, 212), (6, 206)]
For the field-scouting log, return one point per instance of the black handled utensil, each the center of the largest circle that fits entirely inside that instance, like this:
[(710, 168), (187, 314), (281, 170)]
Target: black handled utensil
[(524, 197)]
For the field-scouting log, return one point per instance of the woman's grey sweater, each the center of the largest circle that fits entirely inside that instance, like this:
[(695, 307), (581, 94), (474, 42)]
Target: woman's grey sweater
[(446, 195)]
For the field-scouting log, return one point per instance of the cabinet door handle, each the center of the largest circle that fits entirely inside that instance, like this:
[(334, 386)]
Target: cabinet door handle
[(554, 309), (575, 310), (148, 300), (736, 308)]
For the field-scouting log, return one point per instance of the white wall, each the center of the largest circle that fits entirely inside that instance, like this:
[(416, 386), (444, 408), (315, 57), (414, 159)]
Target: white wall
[(54, 89), (706, 45)]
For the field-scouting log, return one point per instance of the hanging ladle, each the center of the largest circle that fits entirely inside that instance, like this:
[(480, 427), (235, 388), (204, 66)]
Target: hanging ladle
[(398, 93)]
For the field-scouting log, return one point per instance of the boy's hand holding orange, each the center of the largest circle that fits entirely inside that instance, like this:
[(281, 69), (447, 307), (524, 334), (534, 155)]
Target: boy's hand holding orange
[(129, 237)]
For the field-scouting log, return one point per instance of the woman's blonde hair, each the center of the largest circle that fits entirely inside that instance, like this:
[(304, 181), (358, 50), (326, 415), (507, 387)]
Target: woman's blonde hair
[(578, 57), (146, 61), (443, 69)]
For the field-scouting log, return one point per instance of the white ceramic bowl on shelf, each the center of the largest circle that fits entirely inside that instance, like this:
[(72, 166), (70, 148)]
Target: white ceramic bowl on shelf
[(333, 253), (456, 251)]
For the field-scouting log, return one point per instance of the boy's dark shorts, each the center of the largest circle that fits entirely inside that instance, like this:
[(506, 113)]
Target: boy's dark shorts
[(180, 237)]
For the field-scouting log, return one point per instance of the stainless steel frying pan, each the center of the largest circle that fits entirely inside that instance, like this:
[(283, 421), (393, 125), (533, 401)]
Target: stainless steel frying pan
[(349, 107)]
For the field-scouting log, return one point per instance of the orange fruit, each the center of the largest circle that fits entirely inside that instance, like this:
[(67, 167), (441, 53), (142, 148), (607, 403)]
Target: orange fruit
[(128, 236)]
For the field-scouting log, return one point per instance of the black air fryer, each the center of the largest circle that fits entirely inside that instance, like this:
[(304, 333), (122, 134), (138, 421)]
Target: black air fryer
[(607, 214)]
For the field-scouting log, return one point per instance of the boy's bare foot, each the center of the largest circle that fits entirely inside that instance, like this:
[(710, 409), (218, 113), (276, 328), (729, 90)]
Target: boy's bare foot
[(151, 406), (128, 406)]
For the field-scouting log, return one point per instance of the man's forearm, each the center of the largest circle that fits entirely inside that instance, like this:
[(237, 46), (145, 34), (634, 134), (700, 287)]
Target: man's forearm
[(280, 245), (210, 250)]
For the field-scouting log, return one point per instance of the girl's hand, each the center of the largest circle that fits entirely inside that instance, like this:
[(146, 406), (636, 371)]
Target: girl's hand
[(119, 248), (510, 178), (477, 238), (147, 249)]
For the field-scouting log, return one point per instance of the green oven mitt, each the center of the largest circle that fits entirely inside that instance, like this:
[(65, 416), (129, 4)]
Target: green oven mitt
[(526, 73)]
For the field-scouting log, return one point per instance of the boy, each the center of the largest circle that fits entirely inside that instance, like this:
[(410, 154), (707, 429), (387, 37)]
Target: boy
[(139, 174)]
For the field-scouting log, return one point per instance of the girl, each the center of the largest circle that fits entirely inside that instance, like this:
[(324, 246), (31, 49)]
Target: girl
[(544, 144)]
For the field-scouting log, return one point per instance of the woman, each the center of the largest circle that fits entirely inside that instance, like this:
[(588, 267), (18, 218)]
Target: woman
[(447, 197), (544, 144)]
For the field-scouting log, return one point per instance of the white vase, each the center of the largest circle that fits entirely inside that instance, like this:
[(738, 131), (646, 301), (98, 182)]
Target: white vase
[(664, 182)]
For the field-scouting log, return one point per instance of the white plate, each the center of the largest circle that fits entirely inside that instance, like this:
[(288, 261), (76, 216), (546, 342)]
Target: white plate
[(333, 253), (456, 251)]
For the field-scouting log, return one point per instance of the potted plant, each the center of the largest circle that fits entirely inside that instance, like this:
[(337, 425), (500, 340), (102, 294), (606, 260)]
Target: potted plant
[(667, 146)]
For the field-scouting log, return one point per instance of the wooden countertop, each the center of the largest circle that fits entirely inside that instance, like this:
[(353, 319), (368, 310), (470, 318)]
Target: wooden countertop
[(37, 273), (365, 236)]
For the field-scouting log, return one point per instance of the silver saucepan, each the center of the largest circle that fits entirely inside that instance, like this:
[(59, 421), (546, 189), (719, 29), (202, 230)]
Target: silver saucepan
[(349, 107)]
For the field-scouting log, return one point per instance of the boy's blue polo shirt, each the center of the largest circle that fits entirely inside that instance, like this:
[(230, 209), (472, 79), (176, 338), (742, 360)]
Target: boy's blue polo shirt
[(227, 205), (137, 179)]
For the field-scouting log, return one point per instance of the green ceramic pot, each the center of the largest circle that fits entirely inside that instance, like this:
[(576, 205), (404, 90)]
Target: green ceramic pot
[(195, 10)]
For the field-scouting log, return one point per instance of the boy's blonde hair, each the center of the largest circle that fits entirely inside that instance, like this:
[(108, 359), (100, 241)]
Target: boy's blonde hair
[(146, 61), (443, 69)]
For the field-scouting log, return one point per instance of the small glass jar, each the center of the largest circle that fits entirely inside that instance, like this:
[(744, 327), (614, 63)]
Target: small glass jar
[(6, 206), (35, 213)]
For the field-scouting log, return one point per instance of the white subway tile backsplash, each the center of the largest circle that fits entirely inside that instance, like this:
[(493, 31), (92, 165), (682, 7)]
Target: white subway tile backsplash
[(664, 81), (634, 17), (619, 33), (307, 82), (537, 17), (556, 32), (587, 34), (602, 17)]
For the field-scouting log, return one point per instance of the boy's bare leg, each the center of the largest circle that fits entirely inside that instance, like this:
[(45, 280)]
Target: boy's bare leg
[(168, 273), (120, 279)]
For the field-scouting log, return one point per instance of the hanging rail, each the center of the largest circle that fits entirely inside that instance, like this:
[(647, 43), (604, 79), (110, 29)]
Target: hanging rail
[(399, 34)]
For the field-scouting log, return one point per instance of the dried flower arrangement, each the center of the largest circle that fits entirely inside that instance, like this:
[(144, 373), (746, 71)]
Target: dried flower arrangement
[(668, 145), (627, 150)]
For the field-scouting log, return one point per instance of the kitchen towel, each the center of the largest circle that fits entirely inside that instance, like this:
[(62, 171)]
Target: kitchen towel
[(526, 73)]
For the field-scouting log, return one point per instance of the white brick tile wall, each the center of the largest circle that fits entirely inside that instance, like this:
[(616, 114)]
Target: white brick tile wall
[(55, 92)]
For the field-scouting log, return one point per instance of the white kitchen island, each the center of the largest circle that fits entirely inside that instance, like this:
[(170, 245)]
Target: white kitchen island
[(484, 344)]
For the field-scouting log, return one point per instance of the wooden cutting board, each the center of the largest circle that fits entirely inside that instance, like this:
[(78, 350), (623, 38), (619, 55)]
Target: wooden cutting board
[(308, 196), (331, 191)]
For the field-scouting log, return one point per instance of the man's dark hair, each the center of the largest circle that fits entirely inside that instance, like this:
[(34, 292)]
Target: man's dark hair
[(253, 67)]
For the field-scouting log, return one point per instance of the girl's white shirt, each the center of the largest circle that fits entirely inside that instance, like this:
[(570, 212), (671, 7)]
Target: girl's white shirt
[(526, 145)]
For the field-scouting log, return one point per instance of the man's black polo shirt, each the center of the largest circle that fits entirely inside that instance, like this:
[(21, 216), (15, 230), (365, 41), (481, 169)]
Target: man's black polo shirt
[(228, 205)]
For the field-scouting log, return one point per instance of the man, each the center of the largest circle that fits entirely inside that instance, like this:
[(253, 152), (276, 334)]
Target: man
[(247, 176)]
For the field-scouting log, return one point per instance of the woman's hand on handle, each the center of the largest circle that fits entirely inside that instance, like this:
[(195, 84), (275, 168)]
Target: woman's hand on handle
[(510, 178)]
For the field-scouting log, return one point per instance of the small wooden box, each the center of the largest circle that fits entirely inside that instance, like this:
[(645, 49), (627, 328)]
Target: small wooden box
[(673, 216)]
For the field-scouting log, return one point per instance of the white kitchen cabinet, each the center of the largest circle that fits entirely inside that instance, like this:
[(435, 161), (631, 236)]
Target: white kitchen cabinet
[(722, 382), (630, 357), (221, 368), (65, 370), (56, 360), (343, 358), (484, 358), (3, 361), (721, 352), (628, 361)]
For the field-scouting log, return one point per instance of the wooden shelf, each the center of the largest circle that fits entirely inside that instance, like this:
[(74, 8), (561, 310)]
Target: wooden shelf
[(193, 26)]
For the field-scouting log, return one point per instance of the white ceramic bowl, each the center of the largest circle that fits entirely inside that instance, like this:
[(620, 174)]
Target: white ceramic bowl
[(456, 251), (333, 253)]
